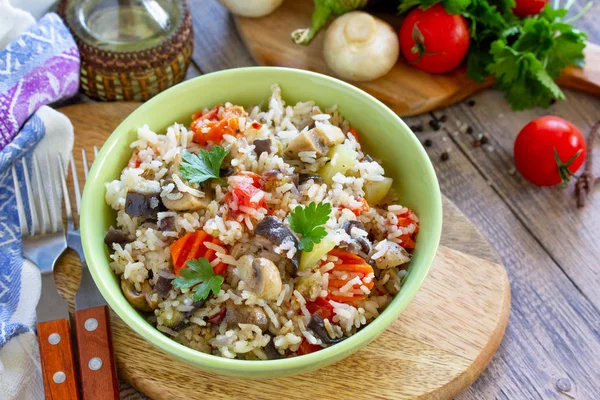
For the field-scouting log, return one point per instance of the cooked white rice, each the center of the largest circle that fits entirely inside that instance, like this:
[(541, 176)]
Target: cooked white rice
[(230, 227)]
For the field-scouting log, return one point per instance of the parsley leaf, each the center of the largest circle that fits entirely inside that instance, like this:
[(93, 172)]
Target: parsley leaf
[(523, 78), (200, 277), (307, 222), (204, 166)]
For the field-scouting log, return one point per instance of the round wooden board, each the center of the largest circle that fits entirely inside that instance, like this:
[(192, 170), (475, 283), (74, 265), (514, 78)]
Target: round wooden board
[(435, 350), (406, 90)]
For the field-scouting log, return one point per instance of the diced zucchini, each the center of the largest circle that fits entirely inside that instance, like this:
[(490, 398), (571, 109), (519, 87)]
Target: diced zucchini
[(309, 259), (342, 158), (376, 191)]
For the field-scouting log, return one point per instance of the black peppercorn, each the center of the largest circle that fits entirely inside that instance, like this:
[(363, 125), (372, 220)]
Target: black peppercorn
[(435, 124), (428, 143), (445, 156), (471, 103)]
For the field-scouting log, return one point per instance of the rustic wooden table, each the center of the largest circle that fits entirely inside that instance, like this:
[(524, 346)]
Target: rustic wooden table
[(550, 248)]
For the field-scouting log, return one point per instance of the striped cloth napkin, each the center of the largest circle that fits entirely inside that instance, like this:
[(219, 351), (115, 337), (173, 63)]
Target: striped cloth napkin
[(39, 64)]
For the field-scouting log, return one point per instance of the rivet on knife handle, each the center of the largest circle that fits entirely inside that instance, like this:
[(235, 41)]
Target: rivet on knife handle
[(58, 360), (96, 358)]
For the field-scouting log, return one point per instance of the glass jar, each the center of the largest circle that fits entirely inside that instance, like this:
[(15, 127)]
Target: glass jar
[(130, 49)]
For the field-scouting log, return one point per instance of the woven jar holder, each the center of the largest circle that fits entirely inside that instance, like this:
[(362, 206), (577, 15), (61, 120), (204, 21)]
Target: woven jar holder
[(132, 75)]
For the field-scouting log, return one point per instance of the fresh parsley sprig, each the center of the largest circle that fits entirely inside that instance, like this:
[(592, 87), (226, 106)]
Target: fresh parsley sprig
[(204, 166), (200, 277), (307, 222)]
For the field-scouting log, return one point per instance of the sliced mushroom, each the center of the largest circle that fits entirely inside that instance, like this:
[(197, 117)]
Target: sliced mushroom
[(317, 139), (393, 255), (274, 230), (115, 236), (167, 224), (146, 205), (140, 300), (262, 146), (175, 319), (330, 134), (306, 141), (348, 225), (358, 244), (261, 275), (187, 202), (317, 325), (303, 178), (244, 314)]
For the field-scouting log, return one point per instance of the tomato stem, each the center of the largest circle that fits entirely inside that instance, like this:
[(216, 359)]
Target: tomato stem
[(563, 168), (419, 47)]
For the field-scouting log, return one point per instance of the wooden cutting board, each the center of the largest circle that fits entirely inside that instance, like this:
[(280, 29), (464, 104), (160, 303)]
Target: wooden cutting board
[(406, 90), (436, 349)]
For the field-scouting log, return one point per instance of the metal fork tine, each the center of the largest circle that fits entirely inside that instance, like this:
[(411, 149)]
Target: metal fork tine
[(20, 208), (53, 204), (86, 169), (43, 204), (65, 192), (36, 227), (76, 184)]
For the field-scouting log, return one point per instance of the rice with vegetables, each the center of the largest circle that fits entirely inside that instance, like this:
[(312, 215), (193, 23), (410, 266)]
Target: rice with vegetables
[(258, 233)]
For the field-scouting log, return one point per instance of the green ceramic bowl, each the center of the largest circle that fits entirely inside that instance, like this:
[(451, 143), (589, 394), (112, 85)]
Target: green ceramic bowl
[(382, 133)]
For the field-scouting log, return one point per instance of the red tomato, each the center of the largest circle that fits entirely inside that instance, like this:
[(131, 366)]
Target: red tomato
[(307, 348), (322, 307), (433, 40), (211, 127), (525, 8), (535, 147), (218, 317), (244, 192)]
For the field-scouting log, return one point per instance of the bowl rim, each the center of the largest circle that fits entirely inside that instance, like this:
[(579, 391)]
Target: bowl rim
[(219, 363)]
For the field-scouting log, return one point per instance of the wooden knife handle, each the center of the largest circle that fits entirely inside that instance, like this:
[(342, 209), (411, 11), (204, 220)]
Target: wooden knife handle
[(58, 360), (96, 357)]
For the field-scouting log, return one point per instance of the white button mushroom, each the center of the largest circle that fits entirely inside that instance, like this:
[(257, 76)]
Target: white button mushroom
[(261, 275), (251, 8), (360, 47)]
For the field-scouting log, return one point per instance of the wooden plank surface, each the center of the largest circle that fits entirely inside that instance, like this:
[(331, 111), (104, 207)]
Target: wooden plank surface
[(553, 333)]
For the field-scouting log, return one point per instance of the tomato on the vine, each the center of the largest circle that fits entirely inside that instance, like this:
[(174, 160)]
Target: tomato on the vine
[(549, 150), (433, 40), (526, 8)]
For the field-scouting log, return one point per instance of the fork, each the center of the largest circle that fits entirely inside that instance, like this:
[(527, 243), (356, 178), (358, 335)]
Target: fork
[(43, 243), (92, 318)]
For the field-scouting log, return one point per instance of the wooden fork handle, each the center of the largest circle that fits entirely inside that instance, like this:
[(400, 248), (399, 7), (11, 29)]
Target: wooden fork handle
[(96, 357), (58, 360)]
